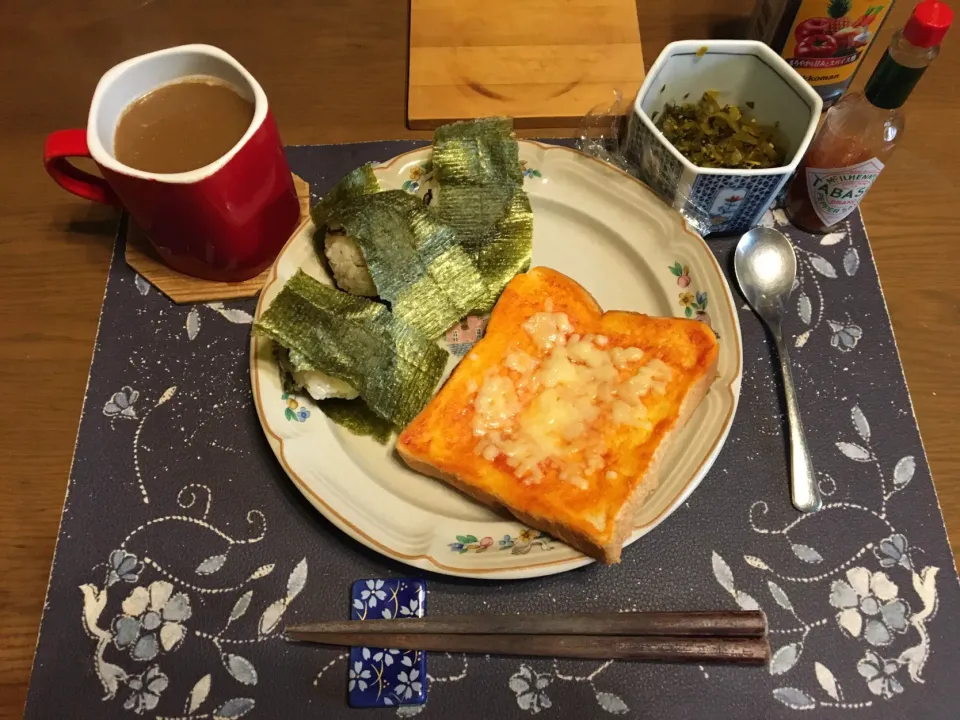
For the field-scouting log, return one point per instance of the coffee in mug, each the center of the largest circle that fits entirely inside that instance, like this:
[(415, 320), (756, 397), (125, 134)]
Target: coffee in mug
[(186, 143), (182, 126)]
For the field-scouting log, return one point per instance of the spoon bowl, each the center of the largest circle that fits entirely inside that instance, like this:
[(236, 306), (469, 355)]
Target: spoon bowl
[(766, 268)]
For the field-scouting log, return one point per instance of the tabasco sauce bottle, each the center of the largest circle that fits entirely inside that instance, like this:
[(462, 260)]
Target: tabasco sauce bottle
[(860, 132)]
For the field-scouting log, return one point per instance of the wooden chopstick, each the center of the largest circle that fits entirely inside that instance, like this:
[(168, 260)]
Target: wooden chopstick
[(701, 650), (707, 637), (637, 624)]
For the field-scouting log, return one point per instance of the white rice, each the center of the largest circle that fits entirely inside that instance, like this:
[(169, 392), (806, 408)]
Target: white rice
[(348, 266), (319, 385)]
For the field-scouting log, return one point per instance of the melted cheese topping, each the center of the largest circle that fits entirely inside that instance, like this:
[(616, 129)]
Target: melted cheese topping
[(551, 410), (547, 329)]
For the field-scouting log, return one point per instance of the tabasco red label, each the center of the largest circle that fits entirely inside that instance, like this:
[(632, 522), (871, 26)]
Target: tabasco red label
[(836, 192)]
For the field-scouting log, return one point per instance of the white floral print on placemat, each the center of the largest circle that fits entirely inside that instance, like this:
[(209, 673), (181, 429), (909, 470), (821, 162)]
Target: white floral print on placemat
[(141, 283), (121, 404), (867, 594), (234, 315), (143, 610), (812, 268), (531, 688)]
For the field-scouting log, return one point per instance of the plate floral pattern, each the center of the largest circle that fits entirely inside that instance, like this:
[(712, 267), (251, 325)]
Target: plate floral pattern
[(694, 302), (519, 544), (294, 412)]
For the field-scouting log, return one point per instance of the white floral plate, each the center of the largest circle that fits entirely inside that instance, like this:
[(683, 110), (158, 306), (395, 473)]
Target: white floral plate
[(592, 222)]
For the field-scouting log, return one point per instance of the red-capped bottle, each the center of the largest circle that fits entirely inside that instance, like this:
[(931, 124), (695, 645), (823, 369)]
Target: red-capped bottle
[(860, 132)]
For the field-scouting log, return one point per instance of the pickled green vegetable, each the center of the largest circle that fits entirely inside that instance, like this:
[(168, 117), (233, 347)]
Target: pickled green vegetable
[(714, 136)]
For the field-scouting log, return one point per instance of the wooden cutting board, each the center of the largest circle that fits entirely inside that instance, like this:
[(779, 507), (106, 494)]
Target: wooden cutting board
[(544, 62)]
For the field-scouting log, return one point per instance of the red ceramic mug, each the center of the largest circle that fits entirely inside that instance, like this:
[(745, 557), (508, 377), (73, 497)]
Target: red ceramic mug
[(225, 221)]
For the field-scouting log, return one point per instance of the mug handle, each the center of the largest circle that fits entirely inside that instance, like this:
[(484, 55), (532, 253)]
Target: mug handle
[(64, 144)]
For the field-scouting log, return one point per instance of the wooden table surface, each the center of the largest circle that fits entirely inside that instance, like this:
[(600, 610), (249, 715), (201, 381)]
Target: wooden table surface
[(335, 71)]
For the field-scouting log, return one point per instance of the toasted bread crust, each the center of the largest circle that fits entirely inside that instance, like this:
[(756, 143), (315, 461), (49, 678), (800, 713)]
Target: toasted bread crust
[(624, 524), (439, 442), (562, 532)]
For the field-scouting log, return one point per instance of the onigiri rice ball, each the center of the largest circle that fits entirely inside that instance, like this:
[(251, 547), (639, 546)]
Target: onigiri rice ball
[(348, 265), (321, 386), (317, 384)]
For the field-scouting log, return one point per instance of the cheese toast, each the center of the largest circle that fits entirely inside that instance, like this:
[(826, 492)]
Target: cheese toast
[(562, 412)]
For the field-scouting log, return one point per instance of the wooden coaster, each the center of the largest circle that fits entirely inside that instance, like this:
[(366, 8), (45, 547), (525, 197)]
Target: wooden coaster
[(546, 63), (185, 289)]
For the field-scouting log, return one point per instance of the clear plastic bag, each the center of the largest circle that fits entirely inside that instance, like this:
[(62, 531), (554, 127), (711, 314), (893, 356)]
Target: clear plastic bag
[(710, 203), (600, 132)]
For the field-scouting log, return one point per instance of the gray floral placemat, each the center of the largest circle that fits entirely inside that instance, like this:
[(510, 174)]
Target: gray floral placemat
[(184, 549)]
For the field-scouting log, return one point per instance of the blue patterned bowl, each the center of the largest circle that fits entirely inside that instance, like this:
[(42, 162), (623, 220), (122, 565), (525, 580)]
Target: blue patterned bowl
[(741, 71)]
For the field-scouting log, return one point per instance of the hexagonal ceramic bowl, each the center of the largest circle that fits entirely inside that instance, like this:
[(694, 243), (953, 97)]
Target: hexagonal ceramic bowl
[(741, 71)]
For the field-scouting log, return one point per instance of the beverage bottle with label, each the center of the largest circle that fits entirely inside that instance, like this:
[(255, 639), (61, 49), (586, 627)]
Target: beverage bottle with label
[(823, 40), (860, 132)]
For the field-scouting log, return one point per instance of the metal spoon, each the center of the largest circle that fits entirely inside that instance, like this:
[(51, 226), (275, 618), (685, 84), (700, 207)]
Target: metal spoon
[(766, 268)]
